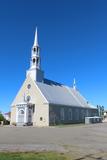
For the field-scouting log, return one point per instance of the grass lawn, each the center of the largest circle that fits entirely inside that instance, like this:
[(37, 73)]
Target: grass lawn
[(33, 156)]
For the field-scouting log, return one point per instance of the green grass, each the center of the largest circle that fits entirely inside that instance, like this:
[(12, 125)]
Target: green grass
[(33, 156)]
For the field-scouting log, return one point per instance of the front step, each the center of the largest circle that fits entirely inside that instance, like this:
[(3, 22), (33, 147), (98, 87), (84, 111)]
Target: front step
[(20, 124)]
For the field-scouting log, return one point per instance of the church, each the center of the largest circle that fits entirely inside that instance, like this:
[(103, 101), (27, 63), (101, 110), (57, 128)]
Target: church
[(43, 102)]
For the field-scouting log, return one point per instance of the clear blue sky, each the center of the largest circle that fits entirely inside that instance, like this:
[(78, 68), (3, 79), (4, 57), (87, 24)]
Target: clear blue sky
[(73, 41)]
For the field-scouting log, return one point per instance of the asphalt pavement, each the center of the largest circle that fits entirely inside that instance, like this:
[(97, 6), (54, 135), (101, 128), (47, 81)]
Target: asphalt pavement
[(77, 139)]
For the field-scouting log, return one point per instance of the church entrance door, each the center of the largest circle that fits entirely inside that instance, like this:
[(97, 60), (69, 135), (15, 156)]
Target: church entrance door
[(21, 116), (24, 114)]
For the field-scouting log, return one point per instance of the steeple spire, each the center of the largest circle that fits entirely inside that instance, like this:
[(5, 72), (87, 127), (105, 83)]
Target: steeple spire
[(74, 84), (36, 38)]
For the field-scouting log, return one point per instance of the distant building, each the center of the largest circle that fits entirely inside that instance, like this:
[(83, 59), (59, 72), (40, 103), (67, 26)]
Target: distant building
[(105, 113), (7, 116), (43, 102)]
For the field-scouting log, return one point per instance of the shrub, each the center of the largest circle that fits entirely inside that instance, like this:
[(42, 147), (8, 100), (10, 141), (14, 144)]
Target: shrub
[(1, 117)]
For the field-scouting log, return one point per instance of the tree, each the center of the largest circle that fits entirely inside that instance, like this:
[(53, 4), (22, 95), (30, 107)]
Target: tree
[(1, 117), (100, 110)]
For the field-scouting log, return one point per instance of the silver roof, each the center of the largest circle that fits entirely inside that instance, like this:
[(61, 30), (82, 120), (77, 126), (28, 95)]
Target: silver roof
[(58, 94)]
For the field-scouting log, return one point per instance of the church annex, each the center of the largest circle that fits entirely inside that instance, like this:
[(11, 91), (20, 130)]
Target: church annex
[(42, 102)]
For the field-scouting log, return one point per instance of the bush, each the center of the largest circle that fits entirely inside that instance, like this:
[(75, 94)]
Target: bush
[(1, 117), (6, 122)]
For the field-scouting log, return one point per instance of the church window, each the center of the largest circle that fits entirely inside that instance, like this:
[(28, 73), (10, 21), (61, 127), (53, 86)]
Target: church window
[(34, 49), (76, 114), (29, 86), (83, 114), (33, 60), (21, 112), (28, 98), (62, 114), (41, 118), (70, 114), (87, 113)]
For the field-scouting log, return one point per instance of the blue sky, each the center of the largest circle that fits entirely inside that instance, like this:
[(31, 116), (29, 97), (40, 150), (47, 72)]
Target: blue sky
[(73, 41)]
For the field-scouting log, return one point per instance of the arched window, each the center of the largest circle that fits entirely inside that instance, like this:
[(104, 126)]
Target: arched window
[(28, 98), (82, 114), (29, 86), (33, 60), (34, 49), (76, 114), (62, 114), (87, 113), (69, 114), (21, 112)]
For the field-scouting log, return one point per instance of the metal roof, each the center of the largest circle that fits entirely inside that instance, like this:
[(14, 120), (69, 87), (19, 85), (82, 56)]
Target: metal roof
[(58, 94)]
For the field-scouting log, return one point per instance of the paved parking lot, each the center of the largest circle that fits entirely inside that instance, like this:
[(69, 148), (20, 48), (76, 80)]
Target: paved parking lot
[(77, 139)]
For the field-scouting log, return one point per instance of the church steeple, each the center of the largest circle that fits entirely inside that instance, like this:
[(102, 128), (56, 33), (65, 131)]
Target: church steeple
[(35, 57), (35, 71), (36, 38)]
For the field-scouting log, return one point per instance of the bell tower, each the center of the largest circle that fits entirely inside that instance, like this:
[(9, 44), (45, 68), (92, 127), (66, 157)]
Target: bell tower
[(35, 71), (35, 57)]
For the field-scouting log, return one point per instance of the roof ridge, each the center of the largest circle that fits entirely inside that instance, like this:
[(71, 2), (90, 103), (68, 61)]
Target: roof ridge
[(84, 99)]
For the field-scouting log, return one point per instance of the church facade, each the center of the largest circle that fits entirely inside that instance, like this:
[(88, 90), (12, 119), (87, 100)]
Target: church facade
[(42, 102)]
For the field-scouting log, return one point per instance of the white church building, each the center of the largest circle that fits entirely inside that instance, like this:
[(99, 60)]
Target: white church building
[(43, 102)]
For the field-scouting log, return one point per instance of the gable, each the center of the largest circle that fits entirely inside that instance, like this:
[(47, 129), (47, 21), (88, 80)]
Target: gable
[(34, 92)]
